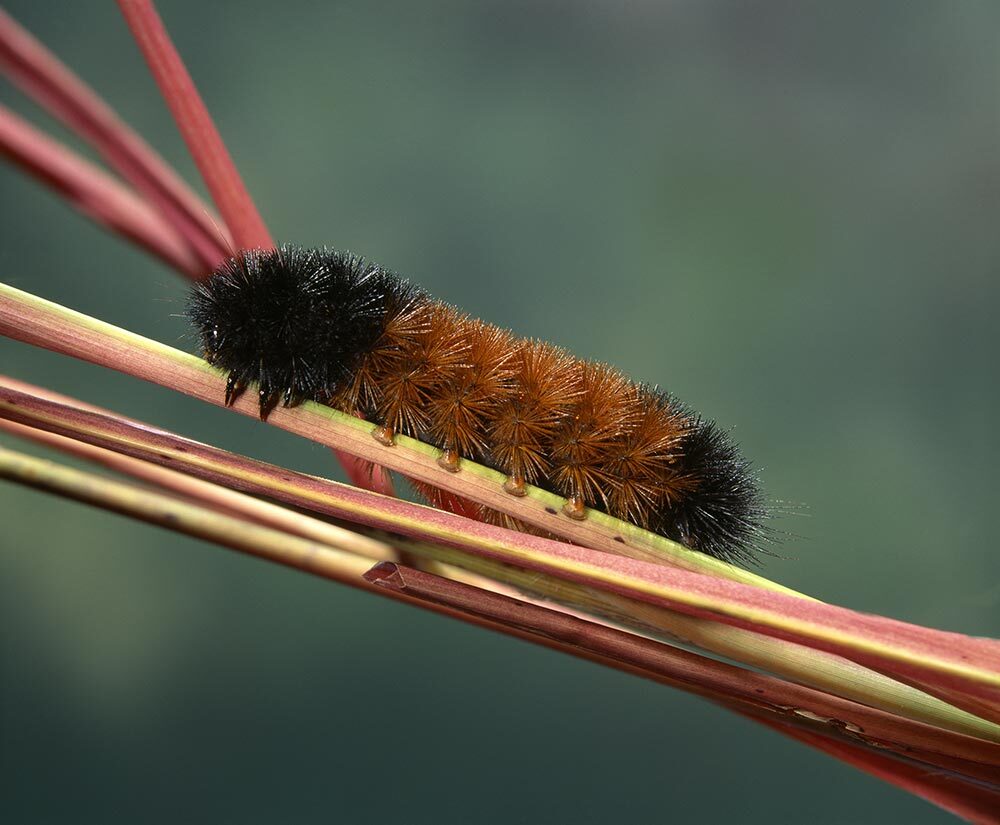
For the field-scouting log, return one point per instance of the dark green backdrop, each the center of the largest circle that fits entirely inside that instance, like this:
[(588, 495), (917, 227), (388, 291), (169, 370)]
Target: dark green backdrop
[(784, 212)]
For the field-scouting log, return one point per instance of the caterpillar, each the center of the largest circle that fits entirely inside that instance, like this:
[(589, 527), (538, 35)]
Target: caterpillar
[(329, 326)]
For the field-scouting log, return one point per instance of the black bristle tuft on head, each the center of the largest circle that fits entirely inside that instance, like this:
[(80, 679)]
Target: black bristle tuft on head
[(723, 513), (292, 322)]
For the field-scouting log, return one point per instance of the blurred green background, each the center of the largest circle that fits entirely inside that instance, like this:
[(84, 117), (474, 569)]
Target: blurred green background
[(784, 212)]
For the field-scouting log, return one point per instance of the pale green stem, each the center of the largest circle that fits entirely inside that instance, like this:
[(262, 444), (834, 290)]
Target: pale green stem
[(321, 559), (32, 319), (815, 668), (41, 322)]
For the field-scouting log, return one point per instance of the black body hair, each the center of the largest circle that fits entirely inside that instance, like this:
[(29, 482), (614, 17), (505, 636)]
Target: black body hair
[(293, 322), (723, 516)]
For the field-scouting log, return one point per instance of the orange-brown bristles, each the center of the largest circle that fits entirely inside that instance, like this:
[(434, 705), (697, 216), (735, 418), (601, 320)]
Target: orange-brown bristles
[(646, 466), (410, 367), (585, 445), (464, 409), (527, 420)]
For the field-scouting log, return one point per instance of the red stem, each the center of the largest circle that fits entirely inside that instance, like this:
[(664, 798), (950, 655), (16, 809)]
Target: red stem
[(94, 192), (961, 664), (796, 706), (217, 169), (758, 695), (44, 78), (970, 800), (199, 132)]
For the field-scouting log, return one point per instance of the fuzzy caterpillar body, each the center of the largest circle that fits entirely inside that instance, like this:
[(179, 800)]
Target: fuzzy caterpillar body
[(329, 326)]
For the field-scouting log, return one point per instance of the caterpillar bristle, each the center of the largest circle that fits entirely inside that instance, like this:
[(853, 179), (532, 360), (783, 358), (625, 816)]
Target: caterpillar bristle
[(410, 368), (646, 462), (404, 319), (463, 407), (330, 326), (525, 423), (584, 448), (722, 511)]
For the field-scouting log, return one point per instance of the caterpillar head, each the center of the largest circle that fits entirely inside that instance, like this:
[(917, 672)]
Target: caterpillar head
[(290, 322)]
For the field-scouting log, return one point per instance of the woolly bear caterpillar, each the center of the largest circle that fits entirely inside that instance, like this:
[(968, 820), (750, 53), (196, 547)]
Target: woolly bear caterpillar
[(332, 327)]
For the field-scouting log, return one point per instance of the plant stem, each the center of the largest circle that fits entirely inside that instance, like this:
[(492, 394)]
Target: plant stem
[(167, 511), (94, 192), (816, 668), (971, 800), (823, 670), (219, 498), (34, 320), (196, 126), (738, 688), (952, 661), (43, 77), (758, 694)]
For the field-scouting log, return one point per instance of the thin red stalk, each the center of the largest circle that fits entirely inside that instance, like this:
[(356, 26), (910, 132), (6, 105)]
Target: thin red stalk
[(749, 692), (318, 560), (147, 470), (459, 506), (984, 708), (54, 86), (24, 404), (497, 612), (39, 322), (193, 519), (436, 593), (738, 688), (93, 192), (204, 493), (943, 655), (192, 118), (217, 168), (811, 709), (44, 78), (970, 800)]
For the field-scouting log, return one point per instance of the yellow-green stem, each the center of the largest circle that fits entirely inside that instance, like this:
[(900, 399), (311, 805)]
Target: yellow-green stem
[(167, 511), (29, 318)]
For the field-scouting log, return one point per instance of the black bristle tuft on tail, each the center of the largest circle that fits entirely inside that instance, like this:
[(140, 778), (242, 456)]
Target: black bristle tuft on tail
[(723, 512)]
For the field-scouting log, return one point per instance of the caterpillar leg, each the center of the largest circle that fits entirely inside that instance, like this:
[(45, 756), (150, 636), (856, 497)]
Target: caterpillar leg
[(449, 460), (267, 400), (233, 388), (575, 508), (384, 435), (515, 486)]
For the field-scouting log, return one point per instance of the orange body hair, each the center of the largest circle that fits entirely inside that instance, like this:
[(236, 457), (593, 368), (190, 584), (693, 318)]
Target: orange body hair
[(526, 408)]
